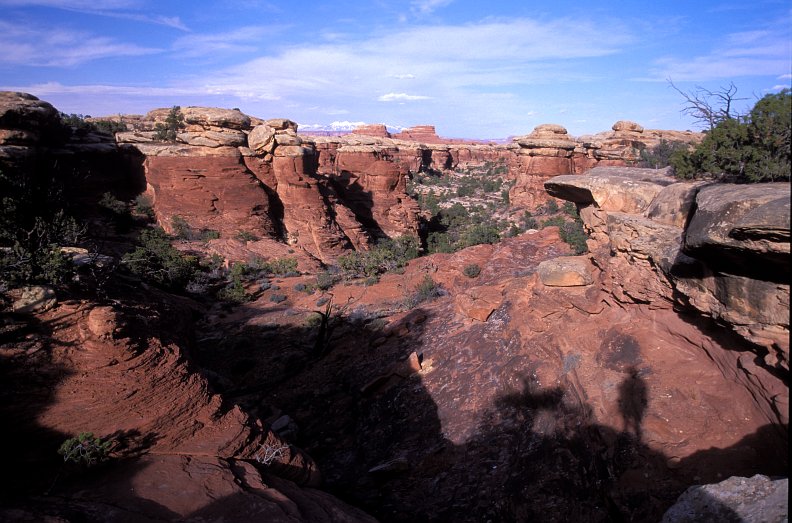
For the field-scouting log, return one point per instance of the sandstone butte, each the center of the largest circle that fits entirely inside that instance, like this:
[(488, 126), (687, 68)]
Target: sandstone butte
[(549, 387)]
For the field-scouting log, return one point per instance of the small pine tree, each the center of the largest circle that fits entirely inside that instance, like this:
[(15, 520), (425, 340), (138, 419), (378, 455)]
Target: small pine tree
[(174, 122)]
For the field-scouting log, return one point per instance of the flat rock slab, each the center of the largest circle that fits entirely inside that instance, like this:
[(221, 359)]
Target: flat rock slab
[(608, 192), (571, 271)]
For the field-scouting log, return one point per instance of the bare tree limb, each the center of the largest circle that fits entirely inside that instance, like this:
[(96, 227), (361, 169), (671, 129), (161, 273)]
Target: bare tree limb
[(709, 108)]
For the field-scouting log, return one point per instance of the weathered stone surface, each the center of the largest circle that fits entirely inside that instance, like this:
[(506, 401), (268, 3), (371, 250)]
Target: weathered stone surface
[(733, 500), (568, 271), (35, 298), (608, 192), (261, 139), (743, 229), (204, 116), (732, 278), (673, 204), (626, 125)]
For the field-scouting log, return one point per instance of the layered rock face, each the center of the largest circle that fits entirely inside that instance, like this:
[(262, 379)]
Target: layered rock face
[(719, 251), (229, 175)]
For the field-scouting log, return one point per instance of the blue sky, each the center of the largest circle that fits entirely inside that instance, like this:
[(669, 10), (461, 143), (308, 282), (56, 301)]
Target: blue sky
[(472, 68)]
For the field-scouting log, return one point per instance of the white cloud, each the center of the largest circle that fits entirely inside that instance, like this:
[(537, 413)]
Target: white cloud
[(760, 52), (54, 47), (785, 77), (400, 97), (241, 40), (403, 76), (426, 7), (126, 9)]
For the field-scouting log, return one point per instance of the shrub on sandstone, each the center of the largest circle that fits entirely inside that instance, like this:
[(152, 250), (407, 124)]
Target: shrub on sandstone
[(426, 290), (661, 155), (387, 255), (573, 234), (277, 298), (472, 270), (85, 449), (157, 261), (174, 123)]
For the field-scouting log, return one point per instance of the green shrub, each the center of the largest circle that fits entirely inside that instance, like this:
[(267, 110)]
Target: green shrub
[(181, 228), (478, 234), (573, 234), (755, 148), (555, 221), (325, 280), (33, 225), (551, 206), (157, 261), (144, 206), (85, 449), (661, 155), (426, 290), (209, 234), (113, 204), (246, 236), (387, 255), (277, 298), (174, 122), (472, 270), (109, 127)]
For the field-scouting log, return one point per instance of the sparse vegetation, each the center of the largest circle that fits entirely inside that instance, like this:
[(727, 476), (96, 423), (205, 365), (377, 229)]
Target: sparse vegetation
[(426, 290), (34, 225), (246, 236), (277, 298), (744, 149), (662, 154), (387, 255), (174, 123), (85, 449), (157, 261), (471, 270)]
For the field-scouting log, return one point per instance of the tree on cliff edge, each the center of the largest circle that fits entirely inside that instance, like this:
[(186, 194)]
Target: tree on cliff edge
[(174, 122), (753, 148)]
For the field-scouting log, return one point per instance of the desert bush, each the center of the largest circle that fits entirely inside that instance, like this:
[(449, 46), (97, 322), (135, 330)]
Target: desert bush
[(157, 261), (174, 122), (181, 228), (209, 234), (555, 221), (325, 280), (661, 155), (472, 270), (144, 206), (277, 298), (478, 234), (387, 255), (573, 234), (426, 290), (34, 224), (246, 236), (85, 449), (551, 206), (113, 204)]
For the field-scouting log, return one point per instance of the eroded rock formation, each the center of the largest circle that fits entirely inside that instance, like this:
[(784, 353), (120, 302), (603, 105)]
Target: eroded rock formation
[(721, 250)]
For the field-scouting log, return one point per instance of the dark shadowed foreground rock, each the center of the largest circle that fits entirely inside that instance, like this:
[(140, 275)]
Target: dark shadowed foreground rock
[(734, 500)]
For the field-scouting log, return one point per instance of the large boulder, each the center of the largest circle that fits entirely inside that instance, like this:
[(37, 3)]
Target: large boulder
[(742, 229), (733, 500)]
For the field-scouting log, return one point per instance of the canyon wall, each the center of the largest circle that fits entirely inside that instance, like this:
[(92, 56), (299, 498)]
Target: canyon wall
[(716, 252)]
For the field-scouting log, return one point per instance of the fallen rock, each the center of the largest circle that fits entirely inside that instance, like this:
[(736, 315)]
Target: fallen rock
[(572, 271), (734, 500), (35, 298), (102, 322)]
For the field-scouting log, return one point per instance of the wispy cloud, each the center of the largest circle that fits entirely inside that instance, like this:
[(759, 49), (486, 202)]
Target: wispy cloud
[(765, 51), (425, 7), (241, 40), (401, 97), (123, 9), (53, 47)]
